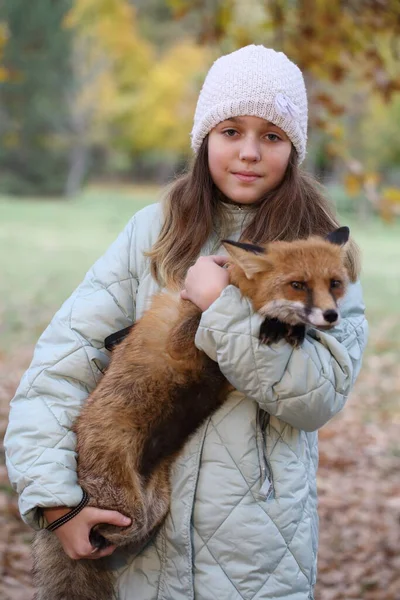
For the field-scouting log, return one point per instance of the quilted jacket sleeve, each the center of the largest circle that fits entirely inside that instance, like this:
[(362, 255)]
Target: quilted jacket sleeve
[(67, 363), (304, 387)]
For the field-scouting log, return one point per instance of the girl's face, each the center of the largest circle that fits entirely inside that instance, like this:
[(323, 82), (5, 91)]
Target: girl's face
[(247, 157)]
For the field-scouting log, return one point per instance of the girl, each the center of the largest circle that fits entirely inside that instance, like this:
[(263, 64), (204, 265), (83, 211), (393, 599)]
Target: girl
[(243, 519)]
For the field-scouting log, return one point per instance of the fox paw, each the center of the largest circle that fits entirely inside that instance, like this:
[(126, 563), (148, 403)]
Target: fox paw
[(295, 335), (274, 330)]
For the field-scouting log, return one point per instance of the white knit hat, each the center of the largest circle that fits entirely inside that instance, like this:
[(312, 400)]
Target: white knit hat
[(254, 81)]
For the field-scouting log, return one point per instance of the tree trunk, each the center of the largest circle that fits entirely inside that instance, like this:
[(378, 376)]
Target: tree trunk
[(79, 158)]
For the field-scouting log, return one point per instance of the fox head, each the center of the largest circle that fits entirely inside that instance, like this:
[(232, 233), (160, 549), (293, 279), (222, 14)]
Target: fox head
[(297, 282)]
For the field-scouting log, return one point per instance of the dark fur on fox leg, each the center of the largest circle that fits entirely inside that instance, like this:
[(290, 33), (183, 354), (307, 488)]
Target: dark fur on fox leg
[(274, 330)]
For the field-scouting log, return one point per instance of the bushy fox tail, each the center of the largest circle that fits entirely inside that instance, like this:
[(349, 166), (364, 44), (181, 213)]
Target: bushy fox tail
[(58, 577)]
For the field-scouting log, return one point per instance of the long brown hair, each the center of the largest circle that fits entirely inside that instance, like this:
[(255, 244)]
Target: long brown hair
[(193, 206)]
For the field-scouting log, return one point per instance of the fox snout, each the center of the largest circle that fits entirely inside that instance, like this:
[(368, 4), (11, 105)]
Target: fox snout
[(295, 313), (331, 316), (323, 318)]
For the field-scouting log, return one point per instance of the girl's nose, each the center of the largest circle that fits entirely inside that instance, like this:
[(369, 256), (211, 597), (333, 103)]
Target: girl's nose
[(250, 151)]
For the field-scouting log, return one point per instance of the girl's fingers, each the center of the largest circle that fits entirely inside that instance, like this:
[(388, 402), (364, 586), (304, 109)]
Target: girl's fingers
[(111, 517), (219, 260)]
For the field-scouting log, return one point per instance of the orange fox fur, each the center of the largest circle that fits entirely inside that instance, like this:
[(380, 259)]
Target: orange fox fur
[(159, 388)]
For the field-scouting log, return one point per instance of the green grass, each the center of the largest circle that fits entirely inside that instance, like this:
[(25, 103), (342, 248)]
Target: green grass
[(46, 247), (380, 277), (380, 246)]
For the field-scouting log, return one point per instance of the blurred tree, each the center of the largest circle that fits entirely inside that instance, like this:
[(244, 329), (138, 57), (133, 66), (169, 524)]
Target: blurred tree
[(380, 139), (110, 63), (130, 98), (3, 41), (152, 16), (33, 97), (163, 108), (327, 39)]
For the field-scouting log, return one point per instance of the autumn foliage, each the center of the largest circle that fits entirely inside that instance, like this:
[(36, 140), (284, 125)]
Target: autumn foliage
[(137, 68)]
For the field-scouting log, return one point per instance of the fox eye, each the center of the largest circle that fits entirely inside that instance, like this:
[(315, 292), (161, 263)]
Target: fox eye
[(298, 285), (335, 283)]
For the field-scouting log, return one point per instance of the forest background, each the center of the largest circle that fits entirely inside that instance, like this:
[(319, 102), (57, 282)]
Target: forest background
[(96, 105)]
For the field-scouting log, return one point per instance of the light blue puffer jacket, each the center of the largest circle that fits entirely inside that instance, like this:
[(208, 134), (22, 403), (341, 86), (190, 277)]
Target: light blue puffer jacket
[(243, 521)]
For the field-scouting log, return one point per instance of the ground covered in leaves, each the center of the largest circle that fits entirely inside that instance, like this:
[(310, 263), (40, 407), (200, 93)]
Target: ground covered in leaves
[(359, 491)]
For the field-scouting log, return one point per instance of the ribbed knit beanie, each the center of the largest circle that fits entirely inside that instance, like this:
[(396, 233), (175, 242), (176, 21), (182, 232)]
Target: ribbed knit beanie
[(254, 81)]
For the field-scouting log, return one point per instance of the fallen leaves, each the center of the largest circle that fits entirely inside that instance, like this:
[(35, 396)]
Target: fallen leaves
[(15, 536), (359, 490), (358, 481)]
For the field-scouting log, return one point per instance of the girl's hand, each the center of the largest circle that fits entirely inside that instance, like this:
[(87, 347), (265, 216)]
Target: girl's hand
[(205, 281), (74, 535)]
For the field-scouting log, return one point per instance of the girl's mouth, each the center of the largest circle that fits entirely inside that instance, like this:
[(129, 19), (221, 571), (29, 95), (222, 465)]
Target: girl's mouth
[(247, 177)]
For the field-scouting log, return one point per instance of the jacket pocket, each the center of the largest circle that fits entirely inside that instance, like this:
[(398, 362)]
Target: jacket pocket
[(266, 491)]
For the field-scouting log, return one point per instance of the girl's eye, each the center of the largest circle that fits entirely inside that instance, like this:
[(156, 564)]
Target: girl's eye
[(298, 285), (230, 132), (273, 137)]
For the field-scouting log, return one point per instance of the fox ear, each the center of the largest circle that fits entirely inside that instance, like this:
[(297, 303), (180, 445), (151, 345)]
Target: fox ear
[(248, 257), (339, 236)]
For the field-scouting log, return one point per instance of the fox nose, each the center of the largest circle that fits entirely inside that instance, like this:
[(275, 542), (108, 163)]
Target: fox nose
[(330, 315)]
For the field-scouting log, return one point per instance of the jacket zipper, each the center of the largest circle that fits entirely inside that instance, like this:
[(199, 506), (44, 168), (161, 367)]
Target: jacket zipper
[(267, 486)]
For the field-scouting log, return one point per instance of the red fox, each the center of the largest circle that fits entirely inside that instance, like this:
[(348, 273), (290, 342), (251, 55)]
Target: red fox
[(159, 388)]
